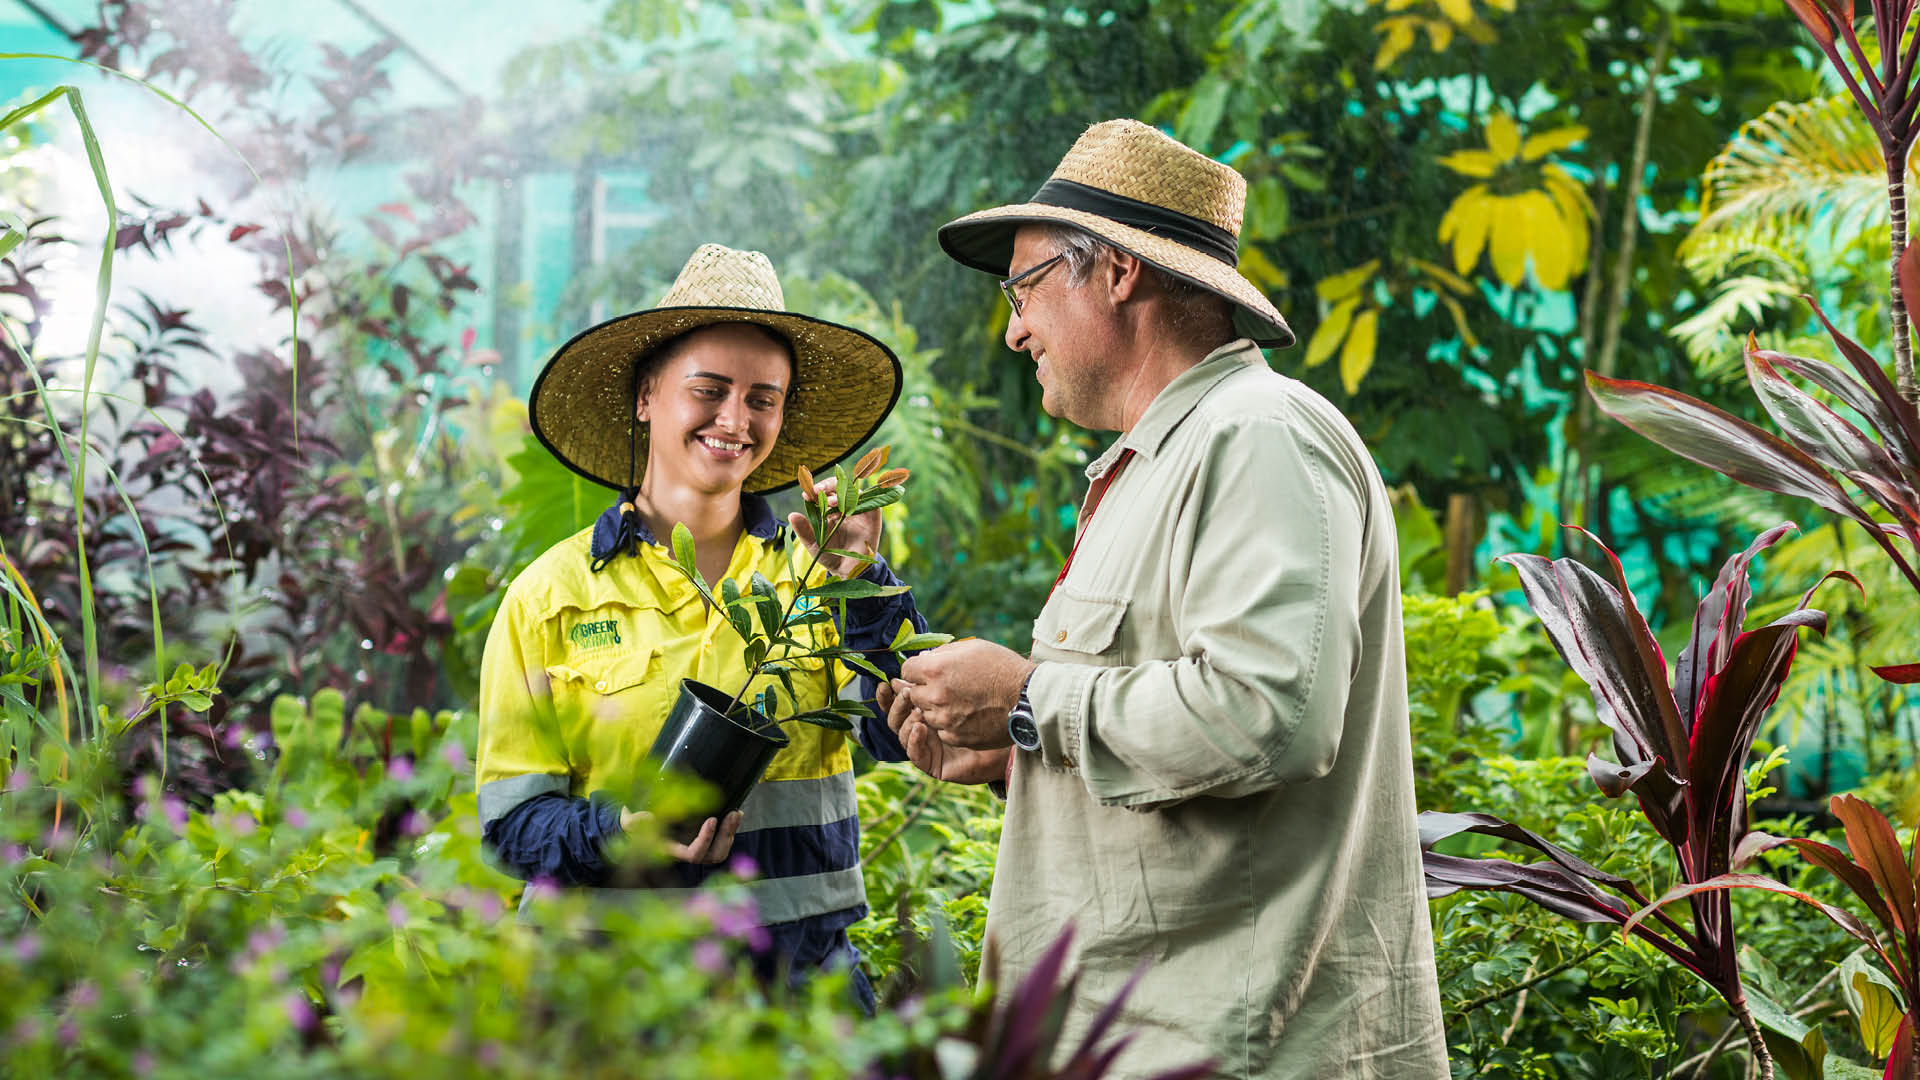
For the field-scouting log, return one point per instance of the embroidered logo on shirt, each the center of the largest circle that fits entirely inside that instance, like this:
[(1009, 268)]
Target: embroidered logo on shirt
[(594, 635)]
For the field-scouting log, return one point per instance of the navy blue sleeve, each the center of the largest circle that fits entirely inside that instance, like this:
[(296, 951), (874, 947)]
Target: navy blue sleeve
[(556, 837), (871, 624)]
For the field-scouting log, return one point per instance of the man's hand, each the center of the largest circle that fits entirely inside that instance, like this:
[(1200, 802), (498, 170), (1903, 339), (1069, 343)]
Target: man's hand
[(931, 756), (712, 844), (860, 533), (964, 691)]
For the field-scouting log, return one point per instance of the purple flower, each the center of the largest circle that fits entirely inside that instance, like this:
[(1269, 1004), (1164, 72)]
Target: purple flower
[(69, 1032), (26, 947), (397, 914), (243, 824), (415, 823), (758, 939), (735, 920), (143, 1064), (709, 957), (58, 837), (299, 1011), (296, 818), (489, 907), (176, 810), (264, 940), (454, 754), (487, 1054), (234, 736), (21, 780), (744, 867), (84, 995), (12, 853), (400, 770), (330, 972)]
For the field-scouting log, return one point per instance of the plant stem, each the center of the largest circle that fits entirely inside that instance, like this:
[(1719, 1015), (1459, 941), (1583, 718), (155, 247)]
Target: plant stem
[(786, 613), (1630, 203), (1495, 995), (1897, 215), (1737, 1001), (920, 805)]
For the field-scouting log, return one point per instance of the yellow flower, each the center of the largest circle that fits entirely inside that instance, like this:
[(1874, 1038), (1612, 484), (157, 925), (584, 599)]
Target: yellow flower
[(1529, 209), (1439, 18)]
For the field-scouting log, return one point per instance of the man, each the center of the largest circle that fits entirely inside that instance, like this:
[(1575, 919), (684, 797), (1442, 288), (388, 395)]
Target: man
[(1207, 753)]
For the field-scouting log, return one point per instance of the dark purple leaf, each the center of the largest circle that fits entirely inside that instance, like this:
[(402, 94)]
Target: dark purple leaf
[(1815, 428), (1876, 379), (1722, 442), (1436, 826), (1874, 846), (1543, 883), (1716, 622), (1851, 874), (1856, 396), (1903, 674), (1845, 919)]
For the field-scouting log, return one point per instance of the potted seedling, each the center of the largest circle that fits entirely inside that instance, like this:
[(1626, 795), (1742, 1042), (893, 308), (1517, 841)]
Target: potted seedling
[(726, 738)]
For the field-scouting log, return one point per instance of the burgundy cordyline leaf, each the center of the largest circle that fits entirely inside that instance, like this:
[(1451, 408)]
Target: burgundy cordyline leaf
[(1028, 1012), (1853, 393), (1716, 622), (1590, 627), (1813, 18), (1752, 844), (1109, 1012), (1853, 876), (1735, 702), (1687, 890), (1652, 661), (1816, 429), (1874, 846), (1900, 1063), (1720, 441), (1902, 674), (1876, 379), (1436, 826), (1543, 883)]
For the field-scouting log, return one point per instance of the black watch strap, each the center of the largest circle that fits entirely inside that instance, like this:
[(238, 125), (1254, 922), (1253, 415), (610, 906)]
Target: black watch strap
[(1020, 724)]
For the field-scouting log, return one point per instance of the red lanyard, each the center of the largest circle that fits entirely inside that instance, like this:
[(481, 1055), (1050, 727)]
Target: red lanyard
[(1094, 495)]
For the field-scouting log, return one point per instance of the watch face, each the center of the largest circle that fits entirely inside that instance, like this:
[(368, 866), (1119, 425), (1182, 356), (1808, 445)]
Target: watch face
[(1026, 735)]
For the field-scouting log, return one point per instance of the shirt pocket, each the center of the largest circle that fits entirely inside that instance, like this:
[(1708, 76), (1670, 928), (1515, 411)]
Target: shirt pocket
[(610, 706), (1083, 627)]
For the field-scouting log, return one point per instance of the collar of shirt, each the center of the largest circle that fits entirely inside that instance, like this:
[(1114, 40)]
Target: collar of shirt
[(1175, 401), (760, 523)]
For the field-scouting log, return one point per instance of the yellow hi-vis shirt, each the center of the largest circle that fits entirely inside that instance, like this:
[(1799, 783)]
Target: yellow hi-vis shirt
[(581, 669)]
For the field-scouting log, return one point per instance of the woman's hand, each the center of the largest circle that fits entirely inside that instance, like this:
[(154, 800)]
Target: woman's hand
[(712, 845), (860, 533)]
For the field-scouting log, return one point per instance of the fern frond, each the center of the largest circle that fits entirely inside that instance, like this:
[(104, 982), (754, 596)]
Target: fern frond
[(1711, 335), (1802, 164)]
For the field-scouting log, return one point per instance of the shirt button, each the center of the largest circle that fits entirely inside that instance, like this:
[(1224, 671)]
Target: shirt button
[(601, 686), (1059, 637)]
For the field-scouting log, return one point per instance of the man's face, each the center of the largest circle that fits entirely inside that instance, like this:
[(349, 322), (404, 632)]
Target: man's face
[(1061, 327), (714, 408)]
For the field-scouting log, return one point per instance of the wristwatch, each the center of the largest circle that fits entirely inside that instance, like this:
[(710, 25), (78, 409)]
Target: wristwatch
[(1020, 726)]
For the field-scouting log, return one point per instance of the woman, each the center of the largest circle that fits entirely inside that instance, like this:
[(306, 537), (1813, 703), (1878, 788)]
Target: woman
[(694, 410)]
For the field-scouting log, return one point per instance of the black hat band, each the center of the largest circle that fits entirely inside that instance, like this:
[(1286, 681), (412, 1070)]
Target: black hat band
[(1202, 236)]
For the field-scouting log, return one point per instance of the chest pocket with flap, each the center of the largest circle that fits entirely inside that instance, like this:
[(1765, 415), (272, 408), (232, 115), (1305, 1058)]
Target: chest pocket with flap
[(1080, 624)]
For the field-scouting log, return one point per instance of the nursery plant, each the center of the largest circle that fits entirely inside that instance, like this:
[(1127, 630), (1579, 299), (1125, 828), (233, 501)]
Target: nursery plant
[(729, 740), (1681, 742)]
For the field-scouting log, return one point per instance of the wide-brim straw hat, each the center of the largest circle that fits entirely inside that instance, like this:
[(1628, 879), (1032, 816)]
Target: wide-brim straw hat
[(1148, 195), (844, 381)]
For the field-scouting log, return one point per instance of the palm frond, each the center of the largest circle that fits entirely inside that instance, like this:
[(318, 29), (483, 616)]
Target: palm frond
[(1711, 335), (1802, 164)]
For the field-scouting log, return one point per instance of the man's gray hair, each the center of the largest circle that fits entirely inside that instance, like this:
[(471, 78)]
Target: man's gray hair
[(1194, 309)]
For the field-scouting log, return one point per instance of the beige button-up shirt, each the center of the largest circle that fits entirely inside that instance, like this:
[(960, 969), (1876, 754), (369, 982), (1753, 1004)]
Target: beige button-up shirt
[(1224, 788)]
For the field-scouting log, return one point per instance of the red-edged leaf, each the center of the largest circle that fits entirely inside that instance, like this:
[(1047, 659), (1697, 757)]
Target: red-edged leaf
[(1110, 1012), (1874, 375), (1851, 874), (1818, 430), (1903, 674), (1589, 625), (1718, 619), (1735, 702), (1874, 846), (1752, 845), (1814, 19), (1900, 1063), (1652, 660), (1436, 826), (241, 232), (1720, 441), (1843, 918), (1543, 883), (1856, 395)]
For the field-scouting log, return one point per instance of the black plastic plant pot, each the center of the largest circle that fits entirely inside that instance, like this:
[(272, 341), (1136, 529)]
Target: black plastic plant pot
[(701, 741)]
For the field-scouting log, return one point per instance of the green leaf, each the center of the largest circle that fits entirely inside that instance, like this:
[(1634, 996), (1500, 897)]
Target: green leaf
[(919, 642), (826, 718), (854, 659), (767, 601), (851, 589), (879, 497), (1874, 1002), (683, 551)]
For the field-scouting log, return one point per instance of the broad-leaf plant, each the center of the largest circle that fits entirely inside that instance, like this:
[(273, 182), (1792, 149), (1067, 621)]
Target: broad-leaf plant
[(1681, 742)]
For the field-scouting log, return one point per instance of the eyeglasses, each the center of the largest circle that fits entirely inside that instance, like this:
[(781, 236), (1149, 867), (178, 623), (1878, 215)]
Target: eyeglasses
[(1030, 272)]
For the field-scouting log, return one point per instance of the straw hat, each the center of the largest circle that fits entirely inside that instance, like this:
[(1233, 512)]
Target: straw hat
[(1147, 195), (844, 382)]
